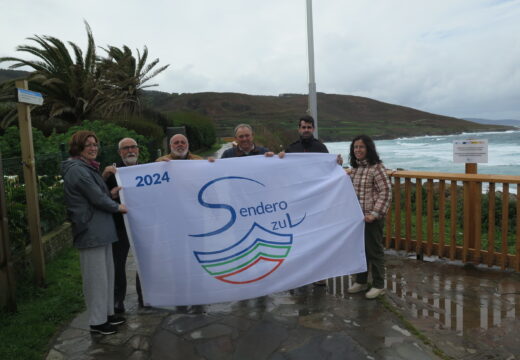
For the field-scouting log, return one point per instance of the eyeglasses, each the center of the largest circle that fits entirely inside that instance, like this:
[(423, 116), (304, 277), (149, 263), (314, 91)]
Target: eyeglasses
[(91, 145), (131, 147)]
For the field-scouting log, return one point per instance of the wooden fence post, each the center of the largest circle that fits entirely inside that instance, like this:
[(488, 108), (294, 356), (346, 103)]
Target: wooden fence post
[(469, 199)]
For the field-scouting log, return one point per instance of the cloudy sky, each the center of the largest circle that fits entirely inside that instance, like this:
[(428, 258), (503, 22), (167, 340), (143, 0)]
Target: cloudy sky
[(452, 57)]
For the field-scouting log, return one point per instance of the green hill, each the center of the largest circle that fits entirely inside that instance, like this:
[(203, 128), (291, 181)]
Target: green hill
[(340, 116)]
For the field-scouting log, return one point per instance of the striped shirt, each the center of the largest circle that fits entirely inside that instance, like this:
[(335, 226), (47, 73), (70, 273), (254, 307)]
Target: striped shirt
[(373, 188)]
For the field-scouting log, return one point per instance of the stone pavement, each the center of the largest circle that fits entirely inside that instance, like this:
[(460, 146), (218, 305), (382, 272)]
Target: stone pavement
[(432, 310)]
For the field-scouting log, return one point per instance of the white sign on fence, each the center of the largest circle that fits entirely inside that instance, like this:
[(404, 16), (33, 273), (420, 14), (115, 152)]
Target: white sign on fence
[(470, 151)]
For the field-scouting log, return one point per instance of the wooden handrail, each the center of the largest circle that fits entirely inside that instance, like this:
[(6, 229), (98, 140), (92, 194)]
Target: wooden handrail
[(455, 176)]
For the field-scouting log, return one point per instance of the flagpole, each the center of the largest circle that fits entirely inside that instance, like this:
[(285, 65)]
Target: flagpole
[(313, 103)]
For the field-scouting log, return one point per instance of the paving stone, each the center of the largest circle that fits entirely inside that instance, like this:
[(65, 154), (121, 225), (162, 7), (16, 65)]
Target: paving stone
[(110, 353), (75, 345), (406, 351), (260, 341), (236, 322), (321, 321), (71, 333), (310, 350), (145, 324), (167, 346), (139, 342), (338, 345), (297, 337), (81, 322), (216, 349), (119, 338), (211, 331), (54, 355), (139, 355), (181, 324)]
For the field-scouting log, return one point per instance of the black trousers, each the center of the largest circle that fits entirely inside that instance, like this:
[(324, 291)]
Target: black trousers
[(120, 253), (375, 254)]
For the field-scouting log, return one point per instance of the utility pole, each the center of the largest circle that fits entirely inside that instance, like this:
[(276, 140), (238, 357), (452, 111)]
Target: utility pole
[(313, 103)]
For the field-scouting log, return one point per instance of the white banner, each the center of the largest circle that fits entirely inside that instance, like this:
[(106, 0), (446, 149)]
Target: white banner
[(240, 228)]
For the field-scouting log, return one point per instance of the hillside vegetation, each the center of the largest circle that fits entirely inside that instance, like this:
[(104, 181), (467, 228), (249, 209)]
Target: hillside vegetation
[(340, 116)]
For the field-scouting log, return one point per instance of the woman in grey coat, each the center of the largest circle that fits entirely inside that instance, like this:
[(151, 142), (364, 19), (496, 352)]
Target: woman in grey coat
[(90, 208)]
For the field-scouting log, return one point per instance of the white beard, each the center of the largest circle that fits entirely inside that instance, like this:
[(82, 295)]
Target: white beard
[(180, 154), (130, 160)]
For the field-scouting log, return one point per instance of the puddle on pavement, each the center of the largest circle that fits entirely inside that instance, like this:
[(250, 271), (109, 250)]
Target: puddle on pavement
[(457, 302)]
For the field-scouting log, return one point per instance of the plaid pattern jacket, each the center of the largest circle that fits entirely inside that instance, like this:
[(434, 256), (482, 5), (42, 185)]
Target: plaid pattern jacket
[(373, 188)]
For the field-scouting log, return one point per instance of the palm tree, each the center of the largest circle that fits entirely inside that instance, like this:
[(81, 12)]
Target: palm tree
[(127, 76), (72, 87)]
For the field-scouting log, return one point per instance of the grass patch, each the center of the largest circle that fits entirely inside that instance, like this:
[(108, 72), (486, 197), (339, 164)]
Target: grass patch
[(41, 311)]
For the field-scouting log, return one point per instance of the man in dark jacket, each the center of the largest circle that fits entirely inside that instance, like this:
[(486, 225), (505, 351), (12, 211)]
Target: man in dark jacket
[(244, 143), (129, 152), (307, 141)]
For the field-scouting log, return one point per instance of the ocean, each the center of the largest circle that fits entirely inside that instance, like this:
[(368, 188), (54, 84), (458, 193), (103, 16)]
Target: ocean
[(435, 153)]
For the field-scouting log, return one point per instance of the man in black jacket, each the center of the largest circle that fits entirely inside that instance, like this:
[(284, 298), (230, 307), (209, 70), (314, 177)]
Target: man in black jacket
[(129, 152), (307, 141)]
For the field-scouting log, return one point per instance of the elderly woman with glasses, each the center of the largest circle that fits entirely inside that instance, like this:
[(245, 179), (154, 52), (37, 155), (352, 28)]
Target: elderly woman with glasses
[(90, 207)]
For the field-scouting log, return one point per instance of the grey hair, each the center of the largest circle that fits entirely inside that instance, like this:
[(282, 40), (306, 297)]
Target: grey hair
[(123, 139), (239, 126)]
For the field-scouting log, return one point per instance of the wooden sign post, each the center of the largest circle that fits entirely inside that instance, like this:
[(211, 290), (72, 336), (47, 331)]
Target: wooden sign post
[(25, 98)]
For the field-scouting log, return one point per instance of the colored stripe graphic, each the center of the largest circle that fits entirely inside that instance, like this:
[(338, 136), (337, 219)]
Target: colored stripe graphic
[(247, 261)]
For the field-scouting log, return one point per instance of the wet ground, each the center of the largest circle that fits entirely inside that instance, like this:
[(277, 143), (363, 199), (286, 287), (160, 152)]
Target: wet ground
[(432, 310)]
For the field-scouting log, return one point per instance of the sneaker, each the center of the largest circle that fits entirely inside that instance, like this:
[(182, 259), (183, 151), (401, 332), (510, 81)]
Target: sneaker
[(115, 320), (105, 329), (374, 292), (355, 288)]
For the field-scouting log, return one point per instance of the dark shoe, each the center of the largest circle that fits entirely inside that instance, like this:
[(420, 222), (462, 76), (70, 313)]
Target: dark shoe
[(115, 320), (105, 329)]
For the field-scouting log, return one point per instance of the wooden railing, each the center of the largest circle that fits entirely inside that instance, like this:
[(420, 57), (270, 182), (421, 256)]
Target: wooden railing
[(448, 215)]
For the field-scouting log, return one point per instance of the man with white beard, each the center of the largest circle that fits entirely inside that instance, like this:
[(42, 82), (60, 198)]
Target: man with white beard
[(129, 152), (180, 149)]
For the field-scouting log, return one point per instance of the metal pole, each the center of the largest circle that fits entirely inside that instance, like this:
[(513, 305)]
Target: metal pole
[(313, 103), (7, 280), (31, 188)]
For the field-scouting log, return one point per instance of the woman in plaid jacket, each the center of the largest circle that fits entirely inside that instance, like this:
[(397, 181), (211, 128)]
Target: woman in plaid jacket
[(374, 191)]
